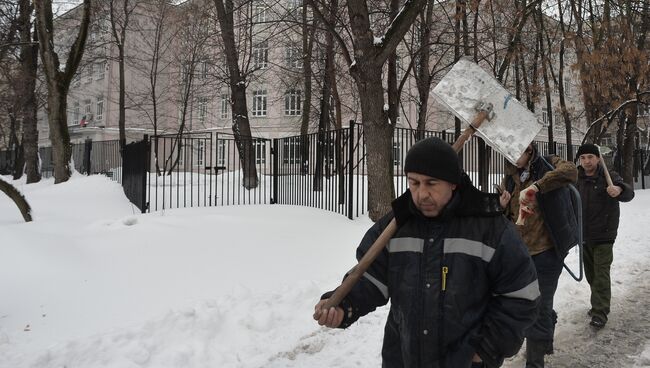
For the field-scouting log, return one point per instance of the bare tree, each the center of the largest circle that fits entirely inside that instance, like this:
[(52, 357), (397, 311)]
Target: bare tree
[(28, 68), (366, 64), (119, 14), (237, 81), (58, 81), (18, 199)]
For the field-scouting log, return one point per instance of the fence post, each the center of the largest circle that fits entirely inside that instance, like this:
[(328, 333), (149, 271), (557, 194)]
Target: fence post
[(87, 148), (642, 165), (275, 169), (350, 169), (145, 172)]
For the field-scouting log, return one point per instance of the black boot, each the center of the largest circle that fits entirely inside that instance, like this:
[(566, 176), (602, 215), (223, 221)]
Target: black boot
[(535, 351)]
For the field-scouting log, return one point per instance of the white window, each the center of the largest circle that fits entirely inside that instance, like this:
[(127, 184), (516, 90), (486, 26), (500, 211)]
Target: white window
[(87, 108), (567, 88), (259, 102), (261, 55), (259, 11), (185, 72), (200, 152), (89, 73), (545, 117), (260, 152), (397, 153), (75, 114), (101, 70), (291, 151), (99, 108), (294, 7), (221, 152), (203, 108), (293, 56), (225, 106), (400, 71), (205, 68), (292, 102)]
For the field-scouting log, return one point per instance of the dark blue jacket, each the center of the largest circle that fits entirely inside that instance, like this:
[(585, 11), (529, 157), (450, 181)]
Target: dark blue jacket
[(459, 284)]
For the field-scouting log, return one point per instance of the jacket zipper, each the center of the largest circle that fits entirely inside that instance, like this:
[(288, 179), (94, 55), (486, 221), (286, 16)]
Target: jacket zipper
[(445, 270)]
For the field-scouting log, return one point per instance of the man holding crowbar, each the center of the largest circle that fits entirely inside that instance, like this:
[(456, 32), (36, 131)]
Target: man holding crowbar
[(462, 286)]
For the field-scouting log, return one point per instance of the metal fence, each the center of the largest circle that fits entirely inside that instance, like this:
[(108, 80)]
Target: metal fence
[(324, 170)]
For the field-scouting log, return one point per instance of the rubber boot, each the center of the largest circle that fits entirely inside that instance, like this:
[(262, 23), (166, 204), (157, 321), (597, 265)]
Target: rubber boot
[(535, 351)]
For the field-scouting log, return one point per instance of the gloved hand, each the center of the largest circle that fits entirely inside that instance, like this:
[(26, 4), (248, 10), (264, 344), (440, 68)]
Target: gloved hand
[(527, 203)]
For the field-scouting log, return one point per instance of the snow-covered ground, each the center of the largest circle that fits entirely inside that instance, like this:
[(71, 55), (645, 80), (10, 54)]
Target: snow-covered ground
[(93, 283)]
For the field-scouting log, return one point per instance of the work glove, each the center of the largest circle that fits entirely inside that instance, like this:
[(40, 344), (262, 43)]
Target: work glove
[(527, 203)]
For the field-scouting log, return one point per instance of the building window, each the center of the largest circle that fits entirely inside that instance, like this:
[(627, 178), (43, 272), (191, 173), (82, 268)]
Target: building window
[(203, 108), (89, 73), (261, 55), (200, 152), (101, 70), (225, 106), (259, 11), (87, 108), (644, 109), (291, 151), (400, 70), (205, 68), (545, 117), (293, 56), (99, 108), (292, 102), (567, 88), (294, 7), (75, 114), (221, 152), (397, 154), (260, 152), (259, 103)]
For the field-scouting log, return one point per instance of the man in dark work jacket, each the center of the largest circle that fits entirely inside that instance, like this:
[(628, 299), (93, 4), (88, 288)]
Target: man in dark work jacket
[(601, 214), (461, 283)]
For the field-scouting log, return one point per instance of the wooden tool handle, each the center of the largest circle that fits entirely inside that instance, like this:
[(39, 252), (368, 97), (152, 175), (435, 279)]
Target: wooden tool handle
[(470, 130), (363, 265), (607, 176)]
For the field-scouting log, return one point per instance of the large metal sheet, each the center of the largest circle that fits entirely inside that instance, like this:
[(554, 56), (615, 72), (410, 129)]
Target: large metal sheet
[(513, 126)]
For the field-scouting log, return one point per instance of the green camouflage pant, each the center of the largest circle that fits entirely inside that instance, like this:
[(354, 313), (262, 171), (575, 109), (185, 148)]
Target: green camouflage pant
[(598, 260)]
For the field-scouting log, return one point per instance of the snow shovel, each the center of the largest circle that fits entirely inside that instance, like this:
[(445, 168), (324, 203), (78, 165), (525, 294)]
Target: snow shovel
[(473, 96)]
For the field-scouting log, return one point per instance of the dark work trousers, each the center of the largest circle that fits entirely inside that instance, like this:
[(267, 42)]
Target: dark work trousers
[(549, 268), (598, 261)]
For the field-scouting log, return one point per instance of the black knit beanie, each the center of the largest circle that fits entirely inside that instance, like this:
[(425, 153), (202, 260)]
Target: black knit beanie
[(588, 148), (435, 158)]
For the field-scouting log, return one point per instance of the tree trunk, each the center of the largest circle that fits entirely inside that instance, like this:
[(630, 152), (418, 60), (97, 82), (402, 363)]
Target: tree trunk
[(378, 137), (240, 123), (59, 135), (28, 69), (307, 50), (18, 199), (58, 82)]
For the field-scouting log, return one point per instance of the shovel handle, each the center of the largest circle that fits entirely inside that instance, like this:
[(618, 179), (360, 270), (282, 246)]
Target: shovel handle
[(378, 246), (357, 272), (470, 130), (607, 176)]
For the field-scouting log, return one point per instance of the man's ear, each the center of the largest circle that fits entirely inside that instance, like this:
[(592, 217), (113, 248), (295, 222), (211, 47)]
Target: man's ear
[(453, 187)]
